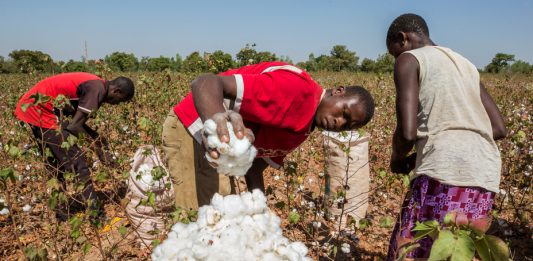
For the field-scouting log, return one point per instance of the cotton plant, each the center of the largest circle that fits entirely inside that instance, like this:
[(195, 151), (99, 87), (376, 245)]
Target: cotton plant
[(235, 157), (234, 227)]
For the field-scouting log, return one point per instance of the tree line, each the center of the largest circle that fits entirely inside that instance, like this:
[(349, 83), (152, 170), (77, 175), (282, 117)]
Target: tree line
[(340, 58)]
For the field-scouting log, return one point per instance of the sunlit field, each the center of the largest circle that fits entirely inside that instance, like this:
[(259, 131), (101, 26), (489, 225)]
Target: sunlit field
[(34, 228)]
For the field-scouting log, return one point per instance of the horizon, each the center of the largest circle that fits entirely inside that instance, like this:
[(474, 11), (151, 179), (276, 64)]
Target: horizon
[(294, 29)]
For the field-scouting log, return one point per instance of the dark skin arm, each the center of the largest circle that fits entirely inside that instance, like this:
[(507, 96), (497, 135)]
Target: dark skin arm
[(254, 176), (208, 93), (406, 71), (496, 120), (77, 126)]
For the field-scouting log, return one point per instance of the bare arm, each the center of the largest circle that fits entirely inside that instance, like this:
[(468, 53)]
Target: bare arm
[(254, 176), (496, 120), (76, 125), (407, 87), (208, 93)]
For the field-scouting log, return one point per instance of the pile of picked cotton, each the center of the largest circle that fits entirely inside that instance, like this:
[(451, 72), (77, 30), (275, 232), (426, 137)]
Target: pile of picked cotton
[(236, 156), (234, 227), (148, 177)]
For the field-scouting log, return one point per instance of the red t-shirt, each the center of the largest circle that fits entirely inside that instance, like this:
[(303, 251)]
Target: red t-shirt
[(277, 102), (85, 91)]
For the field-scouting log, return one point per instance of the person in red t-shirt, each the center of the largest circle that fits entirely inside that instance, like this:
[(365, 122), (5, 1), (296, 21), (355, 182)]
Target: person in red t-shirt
[(86, 93), (276, 103)]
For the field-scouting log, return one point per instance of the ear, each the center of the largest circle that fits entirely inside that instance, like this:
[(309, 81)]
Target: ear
[(116, 91), (402, 38), (338, 91)]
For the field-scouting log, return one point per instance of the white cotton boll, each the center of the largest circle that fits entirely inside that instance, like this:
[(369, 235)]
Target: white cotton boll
[(185, 255), (236, 233), (217, 201), (260, 202), (299, 248), (4, 212), (232, 206), (178, 227), (345, 248), (26, 208), (235, 157), (248, 203), (270, 257)]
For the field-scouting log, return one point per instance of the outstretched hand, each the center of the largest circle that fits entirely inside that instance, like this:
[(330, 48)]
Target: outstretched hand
[(221, 119), (102, 151)]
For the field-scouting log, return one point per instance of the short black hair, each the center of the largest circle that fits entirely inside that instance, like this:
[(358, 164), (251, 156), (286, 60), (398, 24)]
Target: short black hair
[(366, 98), (125, 85), (407, 23)]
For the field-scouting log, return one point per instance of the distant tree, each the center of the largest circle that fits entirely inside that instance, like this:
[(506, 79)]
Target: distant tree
[(286, 59), (499, 63), (323, 63), (29, 61), (219, 61), (158, 64), (384, 63), (246, 55), (75, 66), (7, 66), (177, 62), (123, 62), (194, 63), (310, 65), (143, 63), (342, 59), (265, 57), (368, 65), (521, 67)]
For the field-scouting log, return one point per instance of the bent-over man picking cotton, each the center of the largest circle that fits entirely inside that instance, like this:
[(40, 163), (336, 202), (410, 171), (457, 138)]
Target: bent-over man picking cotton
[(86, 93), (274, 104)]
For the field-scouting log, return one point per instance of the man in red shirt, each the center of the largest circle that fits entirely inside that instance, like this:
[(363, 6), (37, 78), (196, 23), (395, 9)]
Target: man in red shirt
[(275, 102), (85, 93)]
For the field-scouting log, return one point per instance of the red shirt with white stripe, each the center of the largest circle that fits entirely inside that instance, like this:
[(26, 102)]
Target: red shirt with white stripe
[(277, 102), (85, 91)]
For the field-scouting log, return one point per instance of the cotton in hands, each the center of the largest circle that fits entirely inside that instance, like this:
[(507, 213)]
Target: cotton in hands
[(235, 157)]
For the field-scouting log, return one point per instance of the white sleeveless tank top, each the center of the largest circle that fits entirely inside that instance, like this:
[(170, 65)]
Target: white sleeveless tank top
[(454, 135)]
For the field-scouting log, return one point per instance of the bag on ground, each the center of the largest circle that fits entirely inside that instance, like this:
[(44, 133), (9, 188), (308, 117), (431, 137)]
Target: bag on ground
[(150, 195), (347, 176)]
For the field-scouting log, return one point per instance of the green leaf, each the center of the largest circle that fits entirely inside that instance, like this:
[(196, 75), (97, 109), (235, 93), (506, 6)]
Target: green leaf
[(8, 173), (406, 181), (72, 140), (101, 177), (491, 248), (464, 248), (364, 223), (442, 247), (65, 145), (86, 248), (53, 183), (294, 217), (382, 174), (386, 222), (122, 230), (425, 228), (155, 242), (144, 123), (457, 247), (25, 106), (14, 152)]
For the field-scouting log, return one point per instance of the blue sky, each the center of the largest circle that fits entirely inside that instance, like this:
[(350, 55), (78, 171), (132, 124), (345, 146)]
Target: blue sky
[(476, 28)]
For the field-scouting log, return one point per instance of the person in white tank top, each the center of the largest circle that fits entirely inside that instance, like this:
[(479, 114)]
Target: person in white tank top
[(445, 114)]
